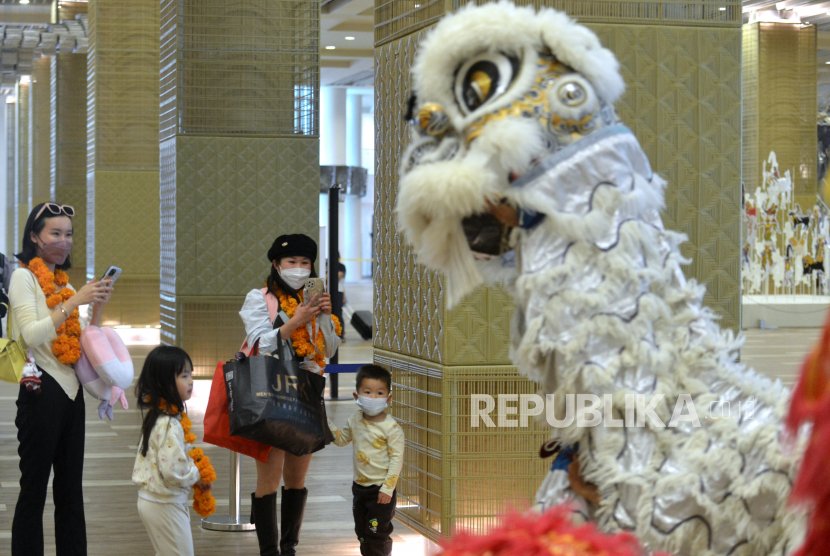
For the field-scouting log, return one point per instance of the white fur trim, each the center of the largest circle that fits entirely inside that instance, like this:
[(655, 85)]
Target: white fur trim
[(504, 27)]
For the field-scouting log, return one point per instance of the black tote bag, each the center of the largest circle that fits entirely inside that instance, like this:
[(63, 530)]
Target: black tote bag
[(273, 401)]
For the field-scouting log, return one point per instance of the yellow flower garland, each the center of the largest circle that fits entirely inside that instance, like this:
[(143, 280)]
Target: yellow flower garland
[(300, 338), (67, 346), (203, 502)]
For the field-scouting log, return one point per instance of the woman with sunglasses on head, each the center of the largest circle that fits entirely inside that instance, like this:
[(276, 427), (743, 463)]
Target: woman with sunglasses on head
[(290, 328), (50, 404)]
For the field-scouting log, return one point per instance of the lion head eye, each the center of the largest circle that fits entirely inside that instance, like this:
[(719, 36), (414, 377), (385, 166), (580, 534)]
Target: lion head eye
[(572, 94), (484, 78)]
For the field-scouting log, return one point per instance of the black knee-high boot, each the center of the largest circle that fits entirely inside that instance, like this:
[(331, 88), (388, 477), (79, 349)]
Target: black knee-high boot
[(264, 515), (291, 518)]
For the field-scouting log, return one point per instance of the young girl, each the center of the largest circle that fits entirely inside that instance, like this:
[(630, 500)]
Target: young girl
[(163, 470)]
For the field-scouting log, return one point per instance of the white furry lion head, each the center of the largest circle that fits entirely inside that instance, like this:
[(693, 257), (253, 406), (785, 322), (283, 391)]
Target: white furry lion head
[(497, 89)]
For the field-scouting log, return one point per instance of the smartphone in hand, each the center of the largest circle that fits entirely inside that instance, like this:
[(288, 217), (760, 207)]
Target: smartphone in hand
[(313, 286), (112, 273)]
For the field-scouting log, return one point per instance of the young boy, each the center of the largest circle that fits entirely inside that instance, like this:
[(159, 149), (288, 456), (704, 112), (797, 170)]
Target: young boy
[(378, 459)]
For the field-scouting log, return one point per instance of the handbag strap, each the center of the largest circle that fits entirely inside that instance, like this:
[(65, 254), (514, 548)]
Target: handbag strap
[(9, 324), (276, 324)]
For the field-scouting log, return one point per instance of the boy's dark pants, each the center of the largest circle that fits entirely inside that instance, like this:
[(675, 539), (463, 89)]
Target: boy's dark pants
[(373, 521)]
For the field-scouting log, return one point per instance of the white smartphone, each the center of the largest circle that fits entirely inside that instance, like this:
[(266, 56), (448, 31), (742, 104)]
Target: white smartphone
[(112, 273)]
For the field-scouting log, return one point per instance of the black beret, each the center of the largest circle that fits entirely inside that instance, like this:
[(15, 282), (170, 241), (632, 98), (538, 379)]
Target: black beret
[(293, 245)]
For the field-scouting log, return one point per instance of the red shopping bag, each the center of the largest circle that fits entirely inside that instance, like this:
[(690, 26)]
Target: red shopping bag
[(217, 422)]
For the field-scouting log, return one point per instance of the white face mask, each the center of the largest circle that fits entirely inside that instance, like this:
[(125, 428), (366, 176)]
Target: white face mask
[(371, 406), (295, 277)]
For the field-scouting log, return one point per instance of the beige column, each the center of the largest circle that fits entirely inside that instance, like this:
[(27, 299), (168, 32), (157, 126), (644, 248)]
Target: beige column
[(22, 157), (123, 155), (683, 72), (11, 179), (239, 158), (40, 132), (69, 151)]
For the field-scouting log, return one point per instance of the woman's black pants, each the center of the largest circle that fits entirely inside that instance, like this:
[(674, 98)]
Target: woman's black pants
[(50, 432)]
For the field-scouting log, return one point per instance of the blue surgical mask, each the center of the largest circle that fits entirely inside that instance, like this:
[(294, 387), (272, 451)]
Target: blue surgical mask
[(371, 406)]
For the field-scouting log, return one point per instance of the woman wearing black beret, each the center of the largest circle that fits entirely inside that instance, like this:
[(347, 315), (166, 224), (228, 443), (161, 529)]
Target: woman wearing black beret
[(292, 260)]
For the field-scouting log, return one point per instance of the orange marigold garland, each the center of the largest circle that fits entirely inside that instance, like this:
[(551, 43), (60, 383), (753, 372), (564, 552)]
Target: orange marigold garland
[(203, 502), (67, 346), (301, 339)]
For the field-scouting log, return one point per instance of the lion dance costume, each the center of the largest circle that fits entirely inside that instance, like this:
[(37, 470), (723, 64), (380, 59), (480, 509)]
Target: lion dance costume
[(515, 108)]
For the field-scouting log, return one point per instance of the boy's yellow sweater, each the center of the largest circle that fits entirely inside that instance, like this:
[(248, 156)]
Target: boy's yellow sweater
[(378, 450)]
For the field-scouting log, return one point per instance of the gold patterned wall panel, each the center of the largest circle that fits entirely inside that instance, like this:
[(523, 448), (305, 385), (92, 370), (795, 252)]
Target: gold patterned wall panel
[(207, 327), (395, 19), (22, 161), (123, 72), (223, 201), (683, 103), (239, 150), (780, 103), (408, 299), (126, 205), (40, 129), (248, 67), (454, 474), (123, 154), (477, 332), (233, 196), (127, 236), (11, 181), (69, 156), (410, 317)]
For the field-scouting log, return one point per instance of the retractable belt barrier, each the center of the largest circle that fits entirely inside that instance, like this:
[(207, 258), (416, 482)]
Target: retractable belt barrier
[(232, 521)]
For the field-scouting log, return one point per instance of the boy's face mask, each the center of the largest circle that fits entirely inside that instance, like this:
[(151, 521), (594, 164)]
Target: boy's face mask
[(371, 406)]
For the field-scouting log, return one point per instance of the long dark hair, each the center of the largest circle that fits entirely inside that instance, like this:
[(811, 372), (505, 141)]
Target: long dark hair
[(29, 249), (158, 382), (276, 284)]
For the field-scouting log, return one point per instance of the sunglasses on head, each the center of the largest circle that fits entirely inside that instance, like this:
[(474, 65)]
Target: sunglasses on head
[(56, 210)]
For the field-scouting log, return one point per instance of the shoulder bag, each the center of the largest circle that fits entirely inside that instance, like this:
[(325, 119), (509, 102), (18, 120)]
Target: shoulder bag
[(12, 355)]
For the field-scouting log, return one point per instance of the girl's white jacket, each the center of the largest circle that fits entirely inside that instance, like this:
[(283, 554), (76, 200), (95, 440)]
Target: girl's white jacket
[(167, 473)]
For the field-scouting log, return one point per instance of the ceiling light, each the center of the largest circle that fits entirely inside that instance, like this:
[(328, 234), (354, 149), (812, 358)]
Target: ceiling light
[(827, 62), (417, 5), (723, 9), (329, 48), (349, 38), (24, 1)]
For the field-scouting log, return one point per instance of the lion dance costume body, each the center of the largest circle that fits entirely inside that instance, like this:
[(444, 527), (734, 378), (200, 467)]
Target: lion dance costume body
[(515, 108)]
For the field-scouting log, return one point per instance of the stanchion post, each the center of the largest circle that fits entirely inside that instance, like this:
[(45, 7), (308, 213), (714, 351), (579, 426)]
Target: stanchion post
[(232, 521), (334, 250)]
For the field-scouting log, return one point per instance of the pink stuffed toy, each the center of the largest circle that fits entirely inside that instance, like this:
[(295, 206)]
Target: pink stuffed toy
[(108, 355), (90, 380), (98, 388), (105, 368)]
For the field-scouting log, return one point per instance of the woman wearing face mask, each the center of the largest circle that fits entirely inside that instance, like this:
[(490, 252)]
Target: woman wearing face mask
[(292, 260), (50, 404)]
